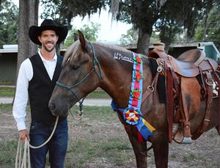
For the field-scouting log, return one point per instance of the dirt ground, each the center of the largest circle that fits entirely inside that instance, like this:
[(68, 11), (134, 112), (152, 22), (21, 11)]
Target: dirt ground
[(202, 153)]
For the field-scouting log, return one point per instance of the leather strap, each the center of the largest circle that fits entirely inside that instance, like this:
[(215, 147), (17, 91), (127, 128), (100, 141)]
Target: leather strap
[(151, 88), (185, 115), (209, 85), (209, 94), (169, 103)]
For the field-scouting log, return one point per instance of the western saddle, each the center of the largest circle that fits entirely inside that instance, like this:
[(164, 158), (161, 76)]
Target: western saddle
[(198, 66)]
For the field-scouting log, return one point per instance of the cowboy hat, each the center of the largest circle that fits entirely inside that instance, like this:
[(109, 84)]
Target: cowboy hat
[(47, 24)]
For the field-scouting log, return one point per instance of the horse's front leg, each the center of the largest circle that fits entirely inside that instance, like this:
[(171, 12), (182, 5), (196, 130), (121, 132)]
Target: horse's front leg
[(139, 148), (161, 150)]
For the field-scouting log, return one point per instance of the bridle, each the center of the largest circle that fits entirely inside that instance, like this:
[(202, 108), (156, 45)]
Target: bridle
[(95, 62)]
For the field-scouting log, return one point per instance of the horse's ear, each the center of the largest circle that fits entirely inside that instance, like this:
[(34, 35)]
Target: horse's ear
[(82, 40)]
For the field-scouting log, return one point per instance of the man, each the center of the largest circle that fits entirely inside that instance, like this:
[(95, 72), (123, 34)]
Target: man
[(36, 80)]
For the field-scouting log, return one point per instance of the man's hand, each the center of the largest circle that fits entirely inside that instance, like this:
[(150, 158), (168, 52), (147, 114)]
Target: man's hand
[(23, 134)]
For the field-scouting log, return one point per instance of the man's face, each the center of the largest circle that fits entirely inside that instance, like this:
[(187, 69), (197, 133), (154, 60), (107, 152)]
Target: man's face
[(48, 39)]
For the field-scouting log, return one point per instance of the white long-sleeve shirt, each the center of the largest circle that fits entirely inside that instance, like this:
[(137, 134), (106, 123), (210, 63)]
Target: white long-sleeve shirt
[(25, 74)]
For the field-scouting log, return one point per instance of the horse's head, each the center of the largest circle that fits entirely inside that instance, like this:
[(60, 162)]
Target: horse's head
[(79, 76)]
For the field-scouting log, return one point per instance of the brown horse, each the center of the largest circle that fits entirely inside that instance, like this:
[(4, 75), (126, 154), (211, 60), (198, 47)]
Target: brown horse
[(87, 66)]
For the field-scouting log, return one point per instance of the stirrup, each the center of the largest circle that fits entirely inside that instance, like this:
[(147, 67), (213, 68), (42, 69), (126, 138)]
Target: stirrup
[(187, 140)]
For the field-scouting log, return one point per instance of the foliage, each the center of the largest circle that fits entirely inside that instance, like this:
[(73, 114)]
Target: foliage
[(8, 23), (182, 16), (171, 19), (64, 11), (209, 30), (141, 13), (89, 30), (130, 37)]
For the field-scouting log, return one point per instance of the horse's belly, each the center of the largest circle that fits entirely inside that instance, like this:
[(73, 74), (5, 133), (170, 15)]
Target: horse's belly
[(191, 92)]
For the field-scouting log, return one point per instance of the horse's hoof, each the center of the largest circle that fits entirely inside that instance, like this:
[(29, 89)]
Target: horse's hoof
[(187, 140)]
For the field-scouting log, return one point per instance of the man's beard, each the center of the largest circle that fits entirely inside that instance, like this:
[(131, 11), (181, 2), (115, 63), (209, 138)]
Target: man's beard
[(49, 49)]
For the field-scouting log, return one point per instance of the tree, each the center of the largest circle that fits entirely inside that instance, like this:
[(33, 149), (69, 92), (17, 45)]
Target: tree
[(172, 16), (129, 38), (141, 13), (90, 32), (209, 28), (8, 23), (1, 2), (28, 16), (64, 11), (170, 22)]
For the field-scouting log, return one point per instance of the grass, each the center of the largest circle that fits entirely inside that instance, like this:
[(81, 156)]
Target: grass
[(98, 139), (8, 151), (5, 107), (7, 91), (10, 91), (98, 93), (114, 152), (101, 138), (101, 113)]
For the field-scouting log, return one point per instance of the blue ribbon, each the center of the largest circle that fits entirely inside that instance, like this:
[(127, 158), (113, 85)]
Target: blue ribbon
[(141, 124)]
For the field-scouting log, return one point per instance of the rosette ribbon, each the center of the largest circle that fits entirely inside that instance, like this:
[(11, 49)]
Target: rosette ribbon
[(132, 114)]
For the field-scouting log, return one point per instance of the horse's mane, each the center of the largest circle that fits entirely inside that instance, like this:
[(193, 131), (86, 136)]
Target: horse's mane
[(119, 48), (74, 49)]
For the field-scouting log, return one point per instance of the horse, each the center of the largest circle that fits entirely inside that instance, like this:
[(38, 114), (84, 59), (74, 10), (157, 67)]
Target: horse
[(87, 66)]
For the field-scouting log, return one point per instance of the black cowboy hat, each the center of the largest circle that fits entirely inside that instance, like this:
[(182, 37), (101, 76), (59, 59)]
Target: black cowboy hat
[(47, 24)]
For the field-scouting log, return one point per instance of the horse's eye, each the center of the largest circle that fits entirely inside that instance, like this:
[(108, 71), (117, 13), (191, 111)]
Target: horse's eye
[(75, 67)]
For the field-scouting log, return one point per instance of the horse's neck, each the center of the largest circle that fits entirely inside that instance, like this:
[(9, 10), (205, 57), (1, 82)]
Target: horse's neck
[(116, 80)]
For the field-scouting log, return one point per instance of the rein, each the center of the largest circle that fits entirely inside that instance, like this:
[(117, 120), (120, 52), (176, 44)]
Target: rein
[(24, 162), (95, 63)]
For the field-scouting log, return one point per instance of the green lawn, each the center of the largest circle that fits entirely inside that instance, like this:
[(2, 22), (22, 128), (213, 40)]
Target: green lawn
[(7, 91), (97, 140), (10, 91)]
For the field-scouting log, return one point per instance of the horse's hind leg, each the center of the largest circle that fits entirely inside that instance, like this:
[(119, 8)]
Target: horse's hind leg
[(161, 151)]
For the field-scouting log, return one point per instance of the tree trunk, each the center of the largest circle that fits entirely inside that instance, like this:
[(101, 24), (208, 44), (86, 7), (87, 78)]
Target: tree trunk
[(28, 15), (143, 42), (33, 20)]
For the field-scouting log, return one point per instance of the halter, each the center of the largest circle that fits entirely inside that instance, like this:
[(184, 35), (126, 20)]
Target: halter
[(95, 63)]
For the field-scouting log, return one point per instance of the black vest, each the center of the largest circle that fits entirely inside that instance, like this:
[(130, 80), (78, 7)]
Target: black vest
[(40, 90)]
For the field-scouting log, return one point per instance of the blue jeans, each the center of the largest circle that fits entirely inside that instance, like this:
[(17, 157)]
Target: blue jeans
[(57, 146)]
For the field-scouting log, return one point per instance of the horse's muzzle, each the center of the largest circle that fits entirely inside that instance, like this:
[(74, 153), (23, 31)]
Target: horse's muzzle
[(58, 110)]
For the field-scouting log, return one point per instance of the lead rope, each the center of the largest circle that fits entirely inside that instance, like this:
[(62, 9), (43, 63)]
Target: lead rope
[(23, 152)]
